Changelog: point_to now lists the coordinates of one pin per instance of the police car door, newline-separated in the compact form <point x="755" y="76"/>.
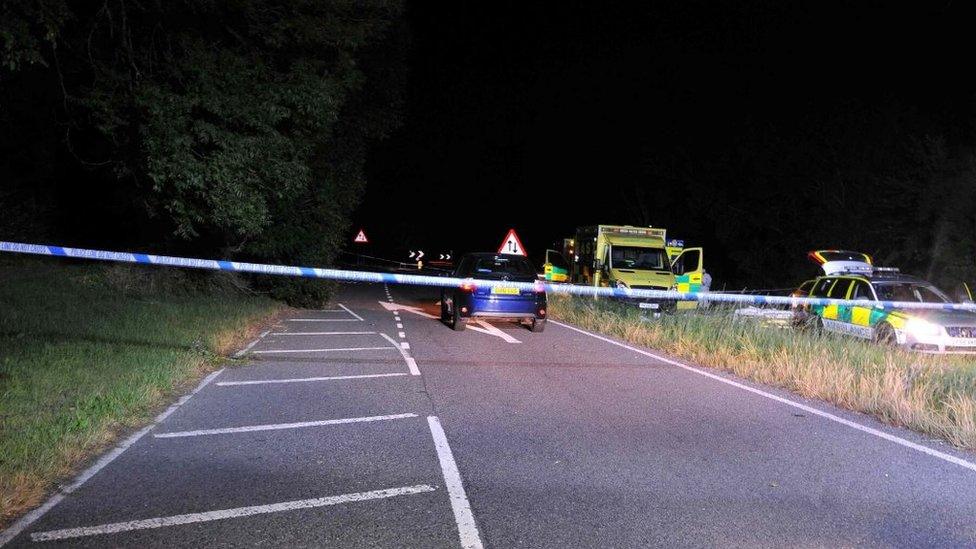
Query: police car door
<point x="864" y="317"/>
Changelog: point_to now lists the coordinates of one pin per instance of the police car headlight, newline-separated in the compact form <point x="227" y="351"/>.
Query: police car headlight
<point x="621" y="284"/>
<point x="918" y="327"/>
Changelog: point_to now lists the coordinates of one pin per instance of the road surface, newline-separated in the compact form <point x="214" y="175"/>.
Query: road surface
<point x="371" y="424"/>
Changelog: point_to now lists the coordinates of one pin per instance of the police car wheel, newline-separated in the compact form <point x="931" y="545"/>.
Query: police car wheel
<point x="885" y="335"/>
<point x="444" y="315"/>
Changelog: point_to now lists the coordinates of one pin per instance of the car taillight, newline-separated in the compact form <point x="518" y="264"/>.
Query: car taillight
<point x="542" y="312"/>
<point x="468" y="286"/>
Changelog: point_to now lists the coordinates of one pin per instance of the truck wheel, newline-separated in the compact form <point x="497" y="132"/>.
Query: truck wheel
<point x="538" y="325"/>
<point x="457" y="323"/>
<point x="885" y="335"/>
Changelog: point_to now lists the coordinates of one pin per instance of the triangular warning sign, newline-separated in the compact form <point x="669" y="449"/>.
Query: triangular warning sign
<point x="361" y="238"/>
<point x="511" y="244"/>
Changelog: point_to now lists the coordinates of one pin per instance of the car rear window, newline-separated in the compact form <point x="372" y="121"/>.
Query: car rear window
<point x="499" y="266"/>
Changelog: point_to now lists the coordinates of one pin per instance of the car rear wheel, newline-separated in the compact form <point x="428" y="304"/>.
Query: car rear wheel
<point x="457" y="323"/>
<point x="885" y="335"/>
<point x="538" y="325"/>
<point x="445" y="316"/>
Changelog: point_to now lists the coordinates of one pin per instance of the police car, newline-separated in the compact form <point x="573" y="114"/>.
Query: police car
<point x="852" y="276"/>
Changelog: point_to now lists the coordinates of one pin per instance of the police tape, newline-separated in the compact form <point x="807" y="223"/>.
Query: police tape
<point x="455" y="282"/>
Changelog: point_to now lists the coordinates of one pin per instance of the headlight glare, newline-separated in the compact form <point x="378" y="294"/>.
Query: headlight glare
<point x="919" y="327"/>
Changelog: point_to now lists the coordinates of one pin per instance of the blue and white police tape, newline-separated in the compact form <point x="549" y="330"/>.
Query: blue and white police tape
<point x="454" y="282"/>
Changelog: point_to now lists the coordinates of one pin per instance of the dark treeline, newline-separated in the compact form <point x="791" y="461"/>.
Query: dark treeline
<point x="876" y="177"/>
<point x="237" y="129"/>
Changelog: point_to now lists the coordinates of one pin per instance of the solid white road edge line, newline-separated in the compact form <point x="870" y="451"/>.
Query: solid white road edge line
<point x="826" y="415"/>
<point x="359" y="318"/>
<point x="31" y="517"/>
<point x="302" y="379"/>
<point x="237" y="512"/>
<point x="411" y="363"/>
<point x="277" y="426"/>
<point x="320" y="333"/>
<point x="463" y="516"/>
<point x="322" y="350"/>
<point x="244" y="351"/>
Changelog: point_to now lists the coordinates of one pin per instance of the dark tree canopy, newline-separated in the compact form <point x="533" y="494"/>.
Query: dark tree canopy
<point x="235" y="127"/>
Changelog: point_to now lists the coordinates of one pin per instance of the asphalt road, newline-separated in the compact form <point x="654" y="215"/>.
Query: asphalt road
<point x="371" y="424"/>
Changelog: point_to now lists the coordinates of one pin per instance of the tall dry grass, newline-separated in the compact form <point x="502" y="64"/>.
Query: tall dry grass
<point x="933" y="394"/>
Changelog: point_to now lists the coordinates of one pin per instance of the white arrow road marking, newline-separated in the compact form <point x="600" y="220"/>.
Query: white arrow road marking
<point x="414" y="310"/>
<point x="491" y="330"/>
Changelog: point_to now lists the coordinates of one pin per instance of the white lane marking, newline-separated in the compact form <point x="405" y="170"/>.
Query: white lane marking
<point x="405" y="345"/>
<point x="28" y="519"/>
<point x="348" y="310"/>
<point x="402" y="335"/>
<point x="322" y="350"/>
<point x="237" y="512"/>
<point x="320" y="333"/>
<point x="304" y="379"/>
<point x="330" y="310"/>
<point x="279" y="426"/>
<point x="411" y="363"/>
<point x="826" y="415"/>
<point x="497" y="333"/>
<point x="399" y="325"/>
<point x="322" y="320"/>
<point x="467" y="529"/>
<point x="244" y="351"/>
<point x="395" y="307"/>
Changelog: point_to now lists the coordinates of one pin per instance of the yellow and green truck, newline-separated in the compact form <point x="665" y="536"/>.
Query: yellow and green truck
<point x="625" y="256"/>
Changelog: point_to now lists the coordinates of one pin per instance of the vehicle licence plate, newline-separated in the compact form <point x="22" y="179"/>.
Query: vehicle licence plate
<point x="504" y="290"/>
<point x="649" y="305"/>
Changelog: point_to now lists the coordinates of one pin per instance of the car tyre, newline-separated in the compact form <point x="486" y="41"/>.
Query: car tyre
<point x="445" y="316"/>
<point x="538" y="325"/>
<point x="457" y="323"/>
<point x="885" y="335"/>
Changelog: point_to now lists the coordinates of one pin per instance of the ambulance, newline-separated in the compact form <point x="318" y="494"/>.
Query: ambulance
<point x="638" y="258"/>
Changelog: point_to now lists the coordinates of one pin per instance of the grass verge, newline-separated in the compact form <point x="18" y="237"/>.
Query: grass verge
<point x="88" y="352"/>
<point x="933" y="394"/>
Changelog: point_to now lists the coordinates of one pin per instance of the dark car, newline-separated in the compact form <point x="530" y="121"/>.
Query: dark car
<point x="494" y="300"/>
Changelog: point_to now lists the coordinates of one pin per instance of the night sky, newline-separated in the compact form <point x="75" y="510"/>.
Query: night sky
<point x="540" y="117"/>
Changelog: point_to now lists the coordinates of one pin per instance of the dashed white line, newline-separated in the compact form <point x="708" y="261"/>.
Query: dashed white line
<point x="402" y="335"/>
<point x="411" y="363"/>
<point x="826" y="415"/>
<point x="467" y="529"/>
<point x="405" y="345"/>
<point x="237" y="512"/>
<point x="279" y="426"/>
<point x="28" y="519"/>
<point x="399" y="325"/>
<point x="357" y="317"/>
<point x="270" y="351"/>
<point x="304" y="379"/>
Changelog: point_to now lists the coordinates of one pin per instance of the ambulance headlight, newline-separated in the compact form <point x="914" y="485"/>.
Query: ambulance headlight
<point x="922" y="328"/>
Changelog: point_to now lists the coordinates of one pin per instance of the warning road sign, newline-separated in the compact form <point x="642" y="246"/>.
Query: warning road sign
<point x="511" y="244"/>
<point x="361" y="238"/>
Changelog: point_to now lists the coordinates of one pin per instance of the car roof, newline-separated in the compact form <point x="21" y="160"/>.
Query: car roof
<point x="880" y="277"/>
<point x="493" y="254"/>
